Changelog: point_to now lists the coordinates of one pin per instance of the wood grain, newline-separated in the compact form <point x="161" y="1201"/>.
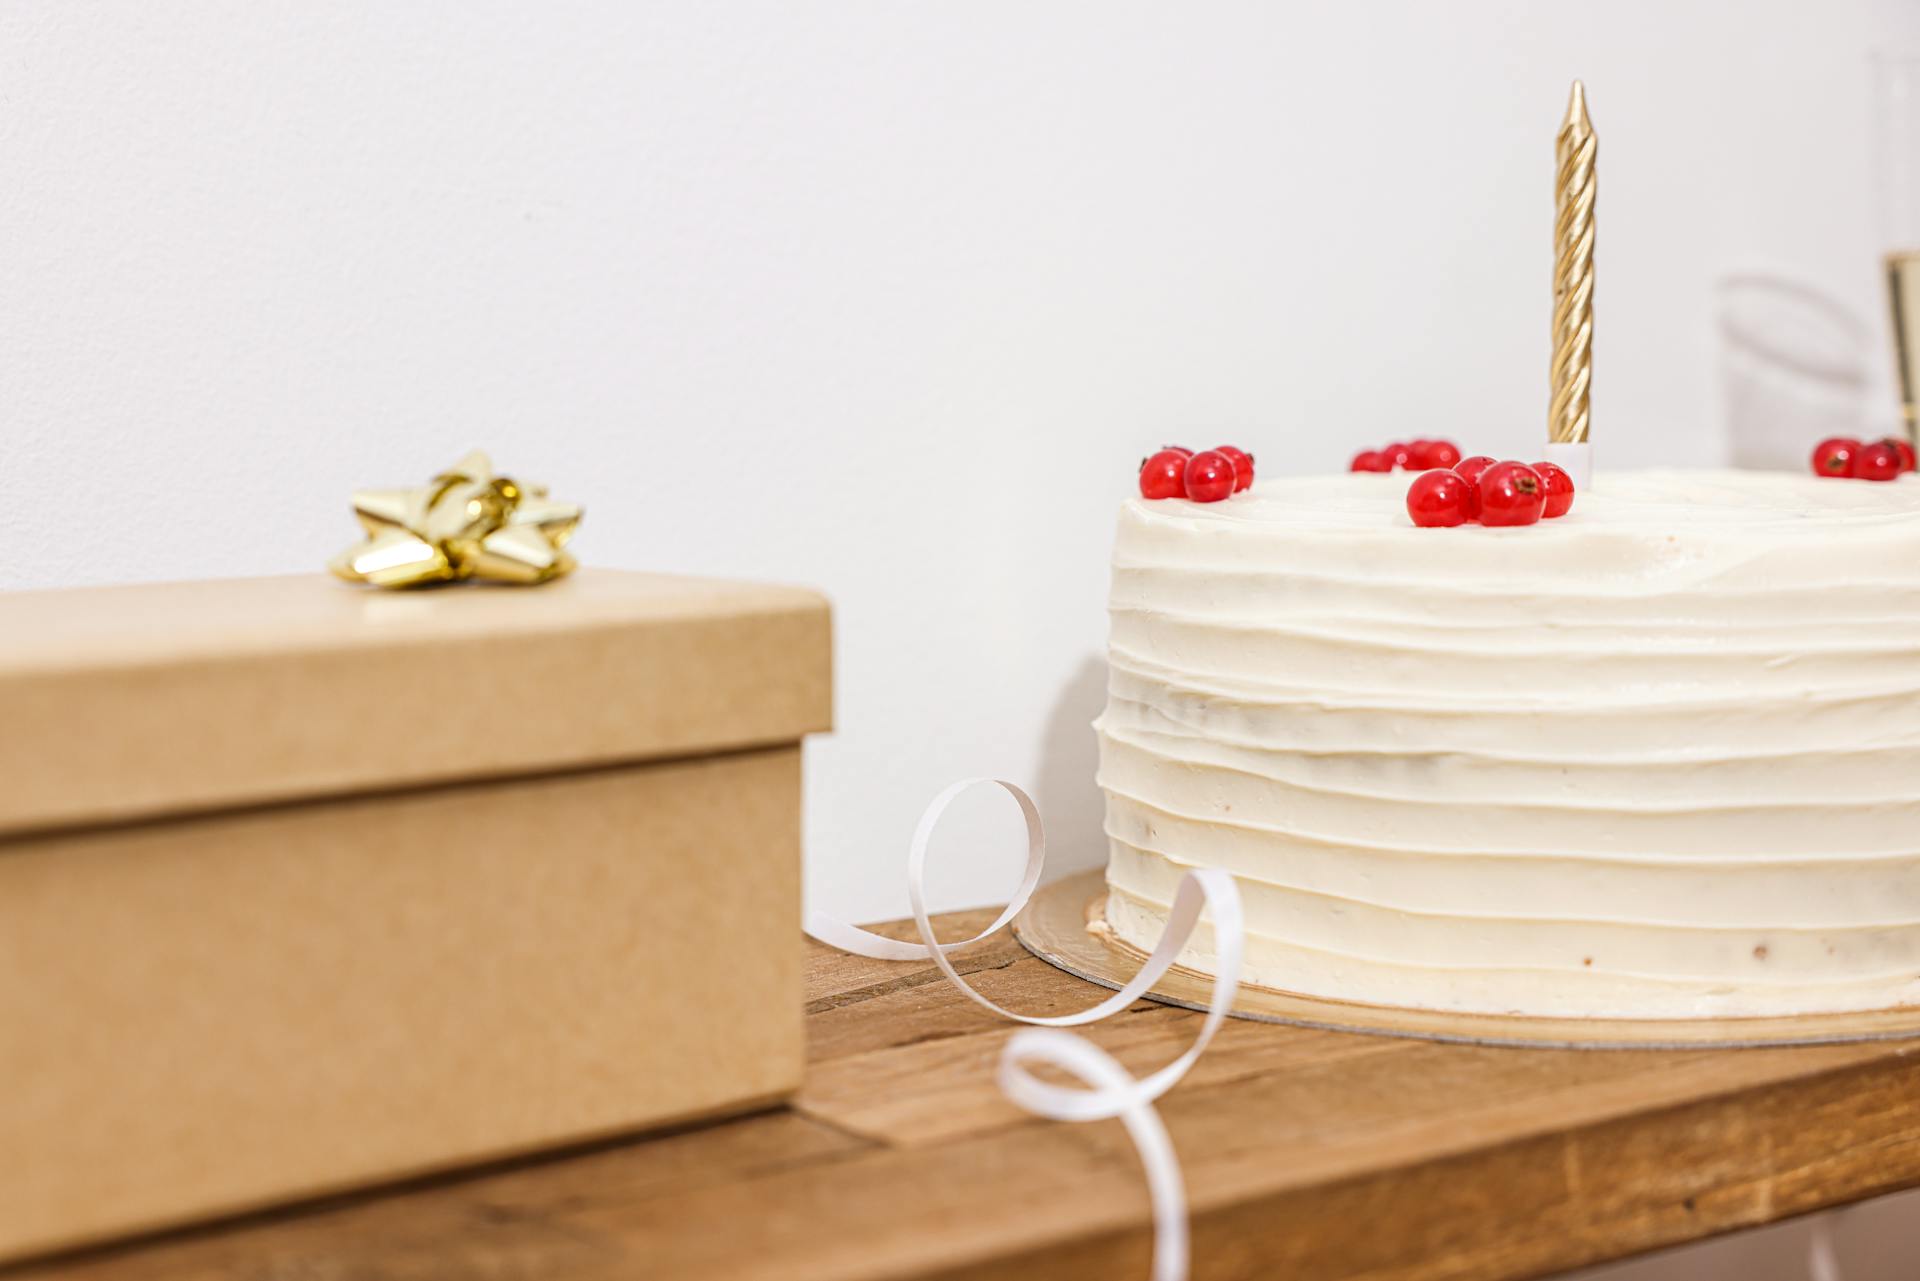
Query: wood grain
<point x="1310" y="1155"/>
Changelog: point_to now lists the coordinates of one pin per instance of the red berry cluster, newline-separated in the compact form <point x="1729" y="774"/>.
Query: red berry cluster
<point x="1205" y="477"/>
<point x="1844" y="458"/>
<point x="1419" y="455"/>
<point x="1491" y="492"/>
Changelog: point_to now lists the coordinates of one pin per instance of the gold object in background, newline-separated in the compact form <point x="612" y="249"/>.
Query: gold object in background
<point x="1903" y="301"/>
<point x="468" y="523"/>
<point x="1573" y="191"/>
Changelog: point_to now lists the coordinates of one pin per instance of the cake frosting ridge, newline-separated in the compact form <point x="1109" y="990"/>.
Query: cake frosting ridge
<point x="1659" y="758"/>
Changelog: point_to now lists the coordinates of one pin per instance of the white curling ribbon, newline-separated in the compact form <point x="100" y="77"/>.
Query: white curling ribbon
<point x="1108" y="1082"/>
<point x="1823" y="1264"/>
<point x="1111" y="1090"/>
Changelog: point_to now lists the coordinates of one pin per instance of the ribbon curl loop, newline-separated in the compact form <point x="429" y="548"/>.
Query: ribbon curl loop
<point x="1111" y="1091"/>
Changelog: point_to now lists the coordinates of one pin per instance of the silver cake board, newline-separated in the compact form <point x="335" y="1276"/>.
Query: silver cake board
<point x="1064" y="924"/>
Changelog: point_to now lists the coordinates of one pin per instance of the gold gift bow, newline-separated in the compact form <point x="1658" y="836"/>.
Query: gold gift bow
<point x="467" y="523"/>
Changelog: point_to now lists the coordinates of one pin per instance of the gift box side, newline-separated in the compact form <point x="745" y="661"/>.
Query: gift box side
<point x="212" y="1014"/>
<point x="133" y="703"/>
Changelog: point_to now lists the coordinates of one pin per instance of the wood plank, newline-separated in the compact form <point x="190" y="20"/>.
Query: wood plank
<point x="839" y="985"/>
<point x="1313" y="1155"/>
<point x="937" y="1082"/>
<point x="526" y="1220"/>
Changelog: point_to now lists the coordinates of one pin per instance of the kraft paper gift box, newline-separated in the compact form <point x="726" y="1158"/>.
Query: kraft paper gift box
<point x="306" y="886"/>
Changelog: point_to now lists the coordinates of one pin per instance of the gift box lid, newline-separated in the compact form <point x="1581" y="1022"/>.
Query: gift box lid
<point x="127" y="703"/>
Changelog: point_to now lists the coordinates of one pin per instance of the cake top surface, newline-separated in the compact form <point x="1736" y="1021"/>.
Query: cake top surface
<point x="1629" y="532"/>
<point x="1646" y="501"/>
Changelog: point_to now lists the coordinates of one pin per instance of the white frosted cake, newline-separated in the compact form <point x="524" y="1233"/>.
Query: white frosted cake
<point x="1659" y="758"/>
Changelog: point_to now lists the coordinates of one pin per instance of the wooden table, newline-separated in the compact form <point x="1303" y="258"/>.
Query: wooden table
<point x="1308" y="1154"/>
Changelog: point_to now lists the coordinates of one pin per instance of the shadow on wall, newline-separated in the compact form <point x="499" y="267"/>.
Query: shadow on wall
<point x="1070" y="804"/>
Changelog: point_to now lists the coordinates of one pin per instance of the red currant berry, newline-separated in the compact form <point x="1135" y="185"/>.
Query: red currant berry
<point x="1511" y="494"/>
<point x="1559" y="489"/>
<point x="1473" y="494"/>
<point x="1164" y="475"/>
<point x="1371" y="460"/>
<point x="1242" y="466"/>
<point x="1904" y="449"/>
<point x="1210" y="476"/>
<point x="1440" y="497"/>
<point x="1442" y="453"/>
<point x="1834" y="456"/>
<point x="1470" y="468"/>
<point x="1417" y="455"/>
<point x="1876" y="462"/>
<point x="1399" y="454"/>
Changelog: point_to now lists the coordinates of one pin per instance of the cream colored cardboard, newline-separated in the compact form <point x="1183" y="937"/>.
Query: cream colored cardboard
<point x="213" y="1011"/>
<point x="131" y="702"/>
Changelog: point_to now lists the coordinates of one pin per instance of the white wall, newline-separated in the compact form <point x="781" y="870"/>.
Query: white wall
<point x="918" y="283"/>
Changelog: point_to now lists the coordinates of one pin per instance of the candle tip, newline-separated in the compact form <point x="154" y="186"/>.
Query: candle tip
<point x="1577" y="109"/>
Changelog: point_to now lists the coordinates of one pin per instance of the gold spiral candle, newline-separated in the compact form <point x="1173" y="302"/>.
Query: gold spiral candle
<point x="1573" y="191"/>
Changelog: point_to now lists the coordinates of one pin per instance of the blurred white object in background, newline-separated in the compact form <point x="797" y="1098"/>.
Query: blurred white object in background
<point x="1795" y="367"/>
<point x="1822" y="1263"/>
<point x="1896" y="168"/>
